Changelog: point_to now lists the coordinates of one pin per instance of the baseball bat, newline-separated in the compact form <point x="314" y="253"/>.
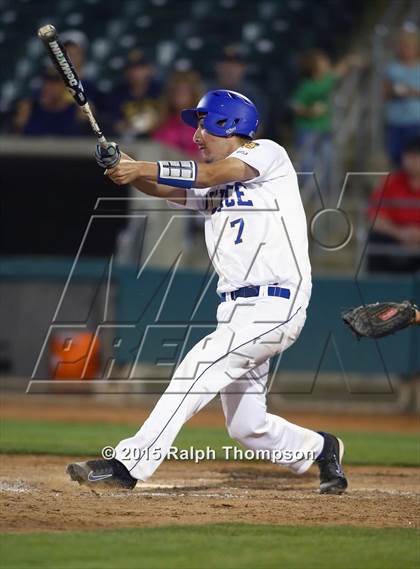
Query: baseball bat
<point x="59" y="56"/>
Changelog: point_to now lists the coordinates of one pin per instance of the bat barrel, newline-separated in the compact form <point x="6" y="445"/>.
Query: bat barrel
<point x="57" y="52"/>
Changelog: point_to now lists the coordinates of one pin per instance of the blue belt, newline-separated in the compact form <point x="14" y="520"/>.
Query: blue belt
<point x="248" y="291"/>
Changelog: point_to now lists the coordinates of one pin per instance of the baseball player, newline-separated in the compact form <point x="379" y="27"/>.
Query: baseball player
<point x="256" y="236"/>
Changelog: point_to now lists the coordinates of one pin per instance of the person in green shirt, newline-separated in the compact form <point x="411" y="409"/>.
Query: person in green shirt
<point x="313" y="111"/>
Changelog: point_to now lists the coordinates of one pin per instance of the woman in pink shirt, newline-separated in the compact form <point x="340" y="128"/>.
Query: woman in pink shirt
<point x="182" y="91"/>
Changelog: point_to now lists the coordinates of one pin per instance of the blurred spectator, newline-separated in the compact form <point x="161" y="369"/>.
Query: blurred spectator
<point x="50" y="111"/>
<point x="313" y="110"/>
<point x="182" y="91"/>
<point x="133" y="106"/>
<point x="76" y="45"/>
<point x="396" y="205"/>
<point x="230" y="73"/>
<point x="395" y="209"/>
<point x="402" y="93"/>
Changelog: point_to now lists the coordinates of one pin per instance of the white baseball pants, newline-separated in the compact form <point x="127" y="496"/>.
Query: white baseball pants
<point x="233" y="360"/>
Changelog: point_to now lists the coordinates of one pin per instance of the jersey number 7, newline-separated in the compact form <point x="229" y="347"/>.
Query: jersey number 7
<point x="240" y="223"/>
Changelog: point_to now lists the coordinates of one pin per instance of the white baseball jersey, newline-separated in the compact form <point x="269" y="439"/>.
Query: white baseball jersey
<point x="256" y="232"/>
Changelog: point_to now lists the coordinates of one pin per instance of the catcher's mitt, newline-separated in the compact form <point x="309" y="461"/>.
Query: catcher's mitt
<point x="380" y="319"/>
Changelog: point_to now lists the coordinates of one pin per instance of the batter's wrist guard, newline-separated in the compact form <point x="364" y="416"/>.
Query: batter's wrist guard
<point x="178" y="173"/>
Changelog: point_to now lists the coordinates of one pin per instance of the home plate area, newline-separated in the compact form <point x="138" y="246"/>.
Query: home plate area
<point x="36" y="495"/>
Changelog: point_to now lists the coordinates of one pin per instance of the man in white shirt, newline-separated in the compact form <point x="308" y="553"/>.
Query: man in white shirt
<point x="256" y="236"/>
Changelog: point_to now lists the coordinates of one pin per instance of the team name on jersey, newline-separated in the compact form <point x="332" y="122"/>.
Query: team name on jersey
<point x="229" y="196"/>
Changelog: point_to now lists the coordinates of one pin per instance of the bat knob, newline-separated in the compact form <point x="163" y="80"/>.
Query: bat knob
<point x="47" y="32"/>
<point x="107" y="156"/>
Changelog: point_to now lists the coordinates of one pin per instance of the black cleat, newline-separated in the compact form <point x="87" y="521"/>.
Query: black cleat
<point x="332" y="477"/>
<point x="101" y="472"/>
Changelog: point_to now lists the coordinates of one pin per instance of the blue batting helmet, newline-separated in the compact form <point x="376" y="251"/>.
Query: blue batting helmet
<point x="225" y="113"/>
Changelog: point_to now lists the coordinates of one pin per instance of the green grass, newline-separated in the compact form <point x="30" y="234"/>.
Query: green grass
<point x="80" y="439"/>
<point x="227" y="546"/>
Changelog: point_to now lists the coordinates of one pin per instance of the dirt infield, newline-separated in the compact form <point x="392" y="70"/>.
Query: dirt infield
<point x="35" y="495"/>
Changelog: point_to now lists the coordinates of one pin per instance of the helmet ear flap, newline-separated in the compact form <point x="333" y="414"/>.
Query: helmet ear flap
<point x="228" y="125"/>
<point x="215" y="123"/>
<point x="231" y="128"/>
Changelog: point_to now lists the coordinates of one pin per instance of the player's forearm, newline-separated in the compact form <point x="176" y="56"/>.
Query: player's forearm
<point x="154" y="178"/>
<point x="142" y="175"/>
<point x="177" y="195"/>
<point x="207" y="174"/>
<point x="147" y="183"/>
<point x="159" y="191"/>
<point x="149" y="188"/>
<point x="219" y="172"/>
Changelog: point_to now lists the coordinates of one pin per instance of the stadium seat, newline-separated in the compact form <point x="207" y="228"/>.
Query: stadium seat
<point x="177" y="33"/>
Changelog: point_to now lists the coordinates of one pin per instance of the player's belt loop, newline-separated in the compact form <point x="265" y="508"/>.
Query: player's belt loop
<point x="263" y="291"/>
